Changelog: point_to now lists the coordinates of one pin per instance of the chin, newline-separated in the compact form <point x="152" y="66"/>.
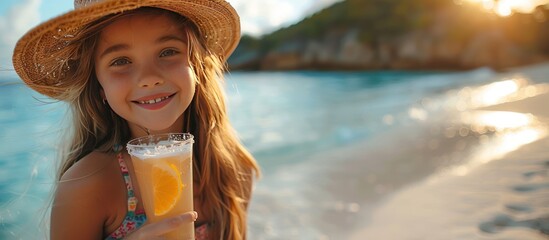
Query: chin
<point x="160" y="125"/>
<point x="164" y="128"/>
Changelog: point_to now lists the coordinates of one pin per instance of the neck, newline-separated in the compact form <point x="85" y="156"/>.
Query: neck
<point x="140" y="131"/>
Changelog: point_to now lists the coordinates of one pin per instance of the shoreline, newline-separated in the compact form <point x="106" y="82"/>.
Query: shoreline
<point x="433" y="67"/>
<point x="351" y="183"/>
<point x="504" y="197"/>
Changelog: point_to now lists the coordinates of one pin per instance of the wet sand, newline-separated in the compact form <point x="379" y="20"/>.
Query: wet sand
<point x="506" y="197"/>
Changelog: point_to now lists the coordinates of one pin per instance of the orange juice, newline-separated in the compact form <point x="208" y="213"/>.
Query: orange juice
<point x="163" y="168"/>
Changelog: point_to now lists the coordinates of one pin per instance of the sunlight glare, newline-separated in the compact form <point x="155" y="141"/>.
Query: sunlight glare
<point x="501" y="146"/>
<point x="505" y="8"/>
<point x="513" y="130"/>
<point x="497" y="92"/>
<point x="499" y="120"/>
<point x="417" y="114"/>
<point x="488" y="4"/>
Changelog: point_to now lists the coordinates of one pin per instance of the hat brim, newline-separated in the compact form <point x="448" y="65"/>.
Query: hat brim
<point x="216" y="20"/>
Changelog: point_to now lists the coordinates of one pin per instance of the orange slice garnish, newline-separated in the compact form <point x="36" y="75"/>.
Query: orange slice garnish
<point x="167" y="187"/>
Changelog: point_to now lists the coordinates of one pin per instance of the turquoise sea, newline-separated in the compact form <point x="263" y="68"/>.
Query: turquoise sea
<point x="330" y="144"/>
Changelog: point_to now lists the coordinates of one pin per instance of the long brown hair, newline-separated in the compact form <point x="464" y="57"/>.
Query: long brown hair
<point x="221" y="164"/>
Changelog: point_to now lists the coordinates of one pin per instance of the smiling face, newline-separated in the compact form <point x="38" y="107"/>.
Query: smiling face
<point x="142" y="64"/>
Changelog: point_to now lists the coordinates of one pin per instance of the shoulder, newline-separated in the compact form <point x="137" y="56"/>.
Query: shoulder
<point x="89" y="174"/>
<point x="91" y="177"/>
<point x="80" y="205"/>
<point x="88" y="166"/>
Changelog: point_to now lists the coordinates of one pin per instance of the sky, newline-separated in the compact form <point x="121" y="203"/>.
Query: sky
<point x="257" y="17"/>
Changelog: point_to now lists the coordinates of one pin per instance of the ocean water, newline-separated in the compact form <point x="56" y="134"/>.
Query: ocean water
<point x="330" y="145"/>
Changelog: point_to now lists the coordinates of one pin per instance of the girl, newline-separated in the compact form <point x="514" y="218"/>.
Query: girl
<point x="127" y="69"/>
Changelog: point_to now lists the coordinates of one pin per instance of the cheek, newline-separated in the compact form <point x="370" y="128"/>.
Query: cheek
<point x="113" y="90"/>
<point x="100" y="78"/>
<point x="191" y="77"/>
<point x="191" y="82"/>
<point x="112" y="84"/>
<point x="188" y="87"/>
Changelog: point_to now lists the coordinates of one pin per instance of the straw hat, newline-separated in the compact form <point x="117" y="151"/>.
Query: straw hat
<point x="217" y="21"/>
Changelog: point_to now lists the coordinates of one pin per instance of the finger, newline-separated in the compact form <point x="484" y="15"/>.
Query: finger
<point x="169" y="224"/>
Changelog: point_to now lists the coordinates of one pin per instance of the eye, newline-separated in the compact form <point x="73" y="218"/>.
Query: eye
<point x="120" y="62"/>
<point x="168" y="52"/>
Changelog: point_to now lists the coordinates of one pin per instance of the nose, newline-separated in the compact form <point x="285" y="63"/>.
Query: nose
<point x="149" y="82"/>
<point x="150" y="77"/>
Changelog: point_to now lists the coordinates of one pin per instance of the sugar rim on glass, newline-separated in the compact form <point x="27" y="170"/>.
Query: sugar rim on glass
<point x="160" y="145"/>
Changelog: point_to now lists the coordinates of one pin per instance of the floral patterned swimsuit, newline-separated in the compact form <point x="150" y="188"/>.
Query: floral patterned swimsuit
<point x="135" y="219"/>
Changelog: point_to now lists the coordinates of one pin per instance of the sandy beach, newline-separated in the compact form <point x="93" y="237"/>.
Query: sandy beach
<point x="498" y="196"/>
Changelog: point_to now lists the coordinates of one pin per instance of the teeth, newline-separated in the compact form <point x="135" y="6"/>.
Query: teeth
<point x="154" y="100"/>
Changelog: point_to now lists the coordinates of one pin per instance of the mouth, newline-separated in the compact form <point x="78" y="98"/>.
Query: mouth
<point x="154" y="102"/>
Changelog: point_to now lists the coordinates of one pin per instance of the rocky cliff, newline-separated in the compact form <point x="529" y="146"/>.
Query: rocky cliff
<point x="443" y="36"/>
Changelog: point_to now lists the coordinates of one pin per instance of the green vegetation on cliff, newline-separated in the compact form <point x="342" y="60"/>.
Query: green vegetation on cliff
<point x="371" y="17"/>
<point x="380" y="21"/>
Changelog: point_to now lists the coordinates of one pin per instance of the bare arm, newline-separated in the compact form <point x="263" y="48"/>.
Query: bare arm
<point x="78" y="210"/>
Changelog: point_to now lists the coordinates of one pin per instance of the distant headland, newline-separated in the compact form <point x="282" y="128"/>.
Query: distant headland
<point x="400" y="34"/>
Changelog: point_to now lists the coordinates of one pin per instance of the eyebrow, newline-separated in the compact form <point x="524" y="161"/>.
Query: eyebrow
<point x="114" y="48"/>
<point x="170" y="38"/>
<point x="120" y="47"/>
